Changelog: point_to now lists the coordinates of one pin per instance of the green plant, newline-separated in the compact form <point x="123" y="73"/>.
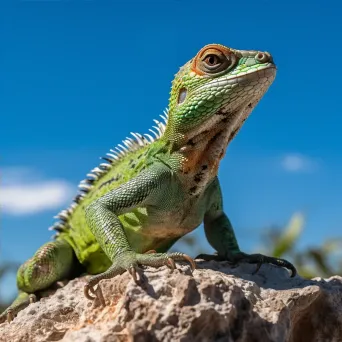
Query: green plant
<point x="324" y="260"/>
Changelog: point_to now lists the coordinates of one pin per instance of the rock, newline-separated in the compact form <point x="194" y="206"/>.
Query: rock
<point x="216" y="303"/>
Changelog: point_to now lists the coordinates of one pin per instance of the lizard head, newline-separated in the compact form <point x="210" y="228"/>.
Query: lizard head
<point x="215" y="92"/>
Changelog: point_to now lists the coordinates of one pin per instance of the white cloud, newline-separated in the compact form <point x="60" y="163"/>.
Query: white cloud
<point x="298" y="163"/>
<point x="23" y="192"/>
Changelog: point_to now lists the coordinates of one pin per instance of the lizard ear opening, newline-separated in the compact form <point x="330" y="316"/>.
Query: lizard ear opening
<point x="182" y="95"/>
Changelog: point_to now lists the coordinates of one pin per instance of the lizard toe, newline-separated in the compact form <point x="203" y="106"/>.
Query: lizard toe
<point x="261" y="259"/>
<point x="133" y="272"/>
<point x="87" y="290"/>
<point x="184" y="257"/>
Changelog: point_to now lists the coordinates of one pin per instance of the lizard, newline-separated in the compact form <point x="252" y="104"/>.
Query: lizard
<point x="152" y="190"/>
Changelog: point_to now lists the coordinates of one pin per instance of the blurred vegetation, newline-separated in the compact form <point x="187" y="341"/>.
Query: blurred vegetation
<point x="324" y="260"/>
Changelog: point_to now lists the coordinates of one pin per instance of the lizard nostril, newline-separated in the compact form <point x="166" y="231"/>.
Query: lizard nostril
<point x="262" y="57"/>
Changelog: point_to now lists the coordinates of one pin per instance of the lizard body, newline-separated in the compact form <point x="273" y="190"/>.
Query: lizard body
<point x="153" y="190"/>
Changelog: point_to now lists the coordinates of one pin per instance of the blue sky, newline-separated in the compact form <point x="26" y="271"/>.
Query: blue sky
<point x="78" y="76"/>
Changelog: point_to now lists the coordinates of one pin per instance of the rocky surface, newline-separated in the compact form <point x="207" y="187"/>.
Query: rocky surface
<point x="216" y="303"/>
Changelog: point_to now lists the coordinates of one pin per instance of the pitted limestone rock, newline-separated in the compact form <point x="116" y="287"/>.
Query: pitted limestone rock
<point x="216" y="303"/>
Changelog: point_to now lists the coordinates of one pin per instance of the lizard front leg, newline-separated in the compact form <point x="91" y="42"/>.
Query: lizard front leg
<point x="221" y="236"/>
<point x="102" y="219"/>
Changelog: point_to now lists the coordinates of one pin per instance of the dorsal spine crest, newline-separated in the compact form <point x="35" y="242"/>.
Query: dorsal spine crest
<point x="116" y="155"/>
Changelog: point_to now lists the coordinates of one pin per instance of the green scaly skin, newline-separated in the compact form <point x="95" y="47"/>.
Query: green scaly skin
<point x="136" y="206"/>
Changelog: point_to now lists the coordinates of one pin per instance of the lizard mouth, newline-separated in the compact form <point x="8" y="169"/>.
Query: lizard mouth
<point x="234" y="118"/>
<point x="266" y="72"/>
<point x="253" y="91"/>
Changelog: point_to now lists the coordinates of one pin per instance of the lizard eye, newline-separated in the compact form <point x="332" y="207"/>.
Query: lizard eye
<point x="216" y="61"/>
<point x="212" y="60"/>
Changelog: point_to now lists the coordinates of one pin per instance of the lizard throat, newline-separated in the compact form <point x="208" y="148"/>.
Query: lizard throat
<point x="203" y="152"/>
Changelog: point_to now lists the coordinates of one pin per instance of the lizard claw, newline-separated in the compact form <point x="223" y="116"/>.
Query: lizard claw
<point x="190" y="261"/>
<point x="96" y="292"/>
<point x="132" y="271"/>
<point x="181" y="257"/>
<point x="171" y="264"/>
<point x="32" y="298"/>
<point x="99" y="295"/>
<point x="257" y="268"/>
<point x="10" y="315"/>
<point x="87" y="289"/>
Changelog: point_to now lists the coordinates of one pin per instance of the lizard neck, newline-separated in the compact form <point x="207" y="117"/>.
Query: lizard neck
<point x="201" y="157"/>
<point x="203" y="149"/>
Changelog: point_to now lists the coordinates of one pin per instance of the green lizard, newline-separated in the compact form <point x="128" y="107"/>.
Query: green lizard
<point x="153" y="190"/>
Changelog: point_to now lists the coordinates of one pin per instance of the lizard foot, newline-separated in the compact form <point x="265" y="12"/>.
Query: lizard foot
<point x="129" y="261"/>
<point x="258" y="259"/>
<point x="21" y="303"/>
